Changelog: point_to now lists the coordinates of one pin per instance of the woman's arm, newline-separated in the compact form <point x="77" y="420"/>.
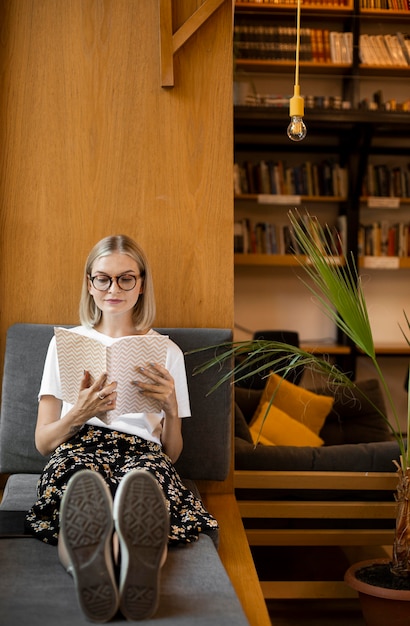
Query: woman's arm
<point x="171" y="437"/>
<point x="51" y="431"/>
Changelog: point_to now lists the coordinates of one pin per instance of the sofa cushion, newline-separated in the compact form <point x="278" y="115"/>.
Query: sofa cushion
<point x="20" y="492"/>
<point x="301" y="404"/>
<point x="247" y="400"/>
<point x="241" y="425"/>
<point x="366" y="457"/>
<point x="195" y="588"/>
<point x="274" y="426"/>
<point x="355" y="418"/>
<point x="352" y="419"/>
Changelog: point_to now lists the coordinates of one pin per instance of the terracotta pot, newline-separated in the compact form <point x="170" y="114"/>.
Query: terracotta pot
<point x="380" y="606"/>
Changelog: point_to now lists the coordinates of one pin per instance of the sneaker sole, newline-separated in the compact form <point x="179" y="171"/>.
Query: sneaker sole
<point x="142" y="523"/>
<point x="87" y="527"/>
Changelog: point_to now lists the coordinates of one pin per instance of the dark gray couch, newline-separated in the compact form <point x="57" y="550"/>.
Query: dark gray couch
<point x="304" y="506"/>
<point x="356" y="438"/>
<point x="34" y="588"/>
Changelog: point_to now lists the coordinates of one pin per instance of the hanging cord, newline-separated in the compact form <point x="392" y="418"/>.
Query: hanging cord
<point x="297" y="42"/>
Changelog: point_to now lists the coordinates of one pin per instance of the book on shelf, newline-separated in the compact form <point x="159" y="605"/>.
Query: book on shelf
<point x="341" y="47"/>
<point x="261" y="237"/>
<point x="387" y="181"/>
<point x="325" y="178"/>
<point x="278" y="43"/>
<point x="292" y="3"/>
<point x="385" y="5"/>
<point x="381" y="238"/>
<point x="396" y="51"/>
<point x="385" y="50"/>
<point x="404" y="41"/>
<point x="120" y="360"/>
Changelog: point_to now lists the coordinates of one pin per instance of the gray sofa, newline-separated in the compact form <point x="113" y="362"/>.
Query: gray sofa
<point x="34" y="588"/>
<point x="320" y="502"/>
<point x="356" y="438"/>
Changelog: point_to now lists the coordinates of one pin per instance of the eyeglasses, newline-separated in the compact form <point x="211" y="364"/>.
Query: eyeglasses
<point x="126" y="282"/>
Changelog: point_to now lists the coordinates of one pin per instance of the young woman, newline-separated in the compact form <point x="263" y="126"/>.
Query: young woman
<point x="130" y="459"/>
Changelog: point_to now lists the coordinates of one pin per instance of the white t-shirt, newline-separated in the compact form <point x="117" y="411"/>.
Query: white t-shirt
<point x="145" y="425"/>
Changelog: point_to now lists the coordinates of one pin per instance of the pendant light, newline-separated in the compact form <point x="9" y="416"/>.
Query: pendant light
<point x="297" y="128"/>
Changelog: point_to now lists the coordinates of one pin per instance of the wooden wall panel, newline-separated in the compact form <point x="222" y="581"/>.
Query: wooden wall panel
<point x="91" y="145"/>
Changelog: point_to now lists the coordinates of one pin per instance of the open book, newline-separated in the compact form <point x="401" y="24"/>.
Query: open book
<point x="120" y="360"/>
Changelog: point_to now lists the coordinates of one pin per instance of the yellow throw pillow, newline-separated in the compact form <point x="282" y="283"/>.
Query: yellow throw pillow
<point x="306" y="407"/>
<point x="259" y="437"/>
<point x="281" y="430"/>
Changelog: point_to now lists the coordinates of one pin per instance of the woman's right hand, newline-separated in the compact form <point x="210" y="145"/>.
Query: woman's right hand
<point x="95" y="399"/>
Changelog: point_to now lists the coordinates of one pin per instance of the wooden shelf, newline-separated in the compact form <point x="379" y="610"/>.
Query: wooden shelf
<point x="323" y="349"/>
<point x="289" y="260"/>
<point x="313" y="67"/>
<point x="278" y="260"/>
<point x="383" y="70"/>
<point x="364" y="200"/>
<point x="390" y="349"/>
<point x="384" y="263"/>
<point x="282" y="200"/>
<point x="387" y="349"/>
<point x="385" y="12"/>
<point x="266" y="117"/>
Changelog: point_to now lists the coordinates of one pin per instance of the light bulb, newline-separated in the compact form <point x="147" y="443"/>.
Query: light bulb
<point x="297" y="129"/>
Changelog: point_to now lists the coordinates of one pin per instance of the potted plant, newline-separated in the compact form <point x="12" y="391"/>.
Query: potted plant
<point x="337" y="287"/>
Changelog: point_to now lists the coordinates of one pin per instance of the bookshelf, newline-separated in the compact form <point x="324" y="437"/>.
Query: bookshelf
<point x="351" y="123"/>
<point x="283" y="260"/>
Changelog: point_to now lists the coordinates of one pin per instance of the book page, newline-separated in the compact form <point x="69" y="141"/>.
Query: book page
<point x="124" y="358"/>
<point x="77" y="353"/>
<point x="121" y="361"/>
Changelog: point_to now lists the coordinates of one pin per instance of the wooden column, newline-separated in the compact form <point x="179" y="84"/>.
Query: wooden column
<point x="92" y="145"/>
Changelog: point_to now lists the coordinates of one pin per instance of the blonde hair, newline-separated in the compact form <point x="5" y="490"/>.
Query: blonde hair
<point x="144" y="309"/>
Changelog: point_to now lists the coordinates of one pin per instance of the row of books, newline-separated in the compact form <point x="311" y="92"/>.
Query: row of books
<point x="385" y="181"/>
<point x="386" y="5"/>
<point x="333" y="103"/>
<point x="384" y="239"/>
<point x="326" y="178"/>
<point x="392" y="5"/>
<point x="388" y="105"/>
<point x="379" y="238"/>
<point x="385" y="50"/>
<point x="278" y="43"/>
<point x="266" y="238"/>
<point x="311" y="3"/>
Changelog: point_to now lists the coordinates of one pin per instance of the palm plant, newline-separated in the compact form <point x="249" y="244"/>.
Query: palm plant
<point x="338" y="289"/>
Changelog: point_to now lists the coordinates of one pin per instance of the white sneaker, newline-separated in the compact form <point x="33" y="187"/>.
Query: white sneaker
<point x="86" y="529"/>
<point x="142" y="523"/>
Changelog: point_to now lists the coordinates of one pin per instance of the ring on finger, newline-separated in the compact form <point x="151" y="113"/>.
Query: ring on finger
<point x="101" y="396"/>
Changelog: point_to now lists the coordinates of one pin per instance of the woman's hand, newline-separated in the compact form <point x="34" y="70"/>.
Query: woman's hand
<point x="160" y="386"/>
<point x="94" y="400"/>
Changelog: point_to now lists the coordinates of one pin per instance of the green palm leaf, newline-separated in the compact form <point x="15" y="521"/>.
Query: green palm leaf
<point x="337" y="287"/>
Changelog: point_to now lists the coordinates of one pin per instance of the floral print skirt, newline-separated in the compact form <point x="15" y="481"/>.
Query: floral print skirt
<point x="113" y="454"/>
